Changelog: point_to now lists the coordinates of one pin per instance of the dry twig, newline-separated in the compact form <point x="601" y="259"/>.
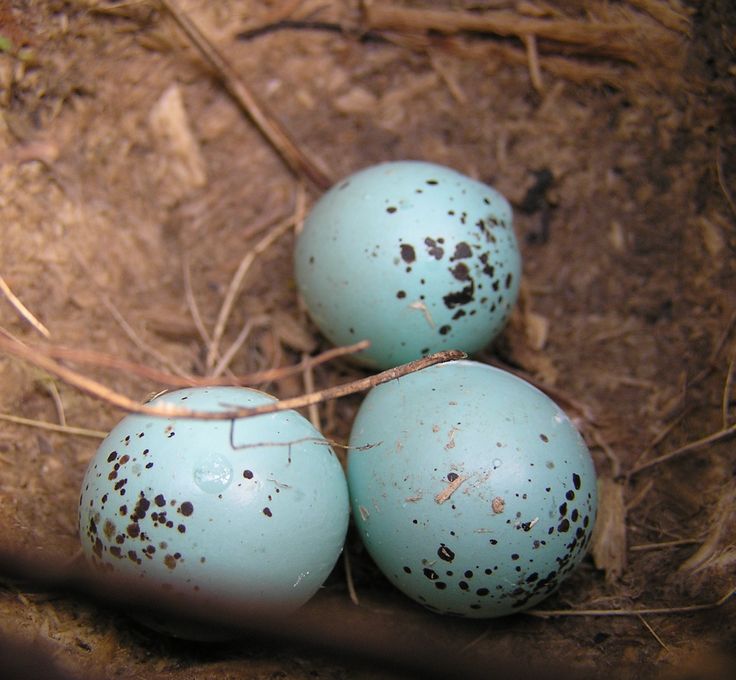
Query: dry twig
<point x="94" y="358"/>
<point x="245" y="264"/>
<point x="692" y="446"/>
<point x="644" y="611"/>
<point x="264" y="120"/>
<point x="19" y="307"/>
<point x="596" y="37"/>
<point x="53" y="427"/>
<point x="104" y="393"/>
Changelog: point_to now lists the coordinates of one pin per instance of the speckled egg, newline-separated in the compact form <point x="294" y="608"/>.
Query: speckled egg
<point x="252" y="511"/>
<point x="471" y="489"/>
<point x="413" y="256"/>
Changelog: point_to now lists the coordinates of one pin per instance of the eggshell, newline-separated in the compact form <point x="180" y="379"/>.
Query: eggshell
<point x="414" y="256"/>
<point x="471" y="489"/>
<point x="252" y="511"/>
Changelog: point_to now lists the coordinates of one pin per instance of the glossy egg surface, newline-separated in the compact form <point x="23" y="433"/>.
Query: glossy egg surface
<point x="413" y="256"/>
<point x="471" y="489"/>
<point x="254" y="511"/>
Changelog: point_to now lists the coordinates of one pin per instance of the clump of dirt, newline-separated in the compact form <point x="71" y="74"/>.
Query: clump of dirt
<point x="133" y="187"/>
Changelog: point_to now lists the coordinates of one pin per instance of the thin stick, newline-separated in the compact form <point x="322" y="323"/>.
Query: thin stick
<point x="19" y="307"/>
<point x="726" y="399"/>
<point x="646" y="625"/>
<point x="237" y="281"/>
<point x="664" y="544"/>
<point x="248" y="327"/>
<point x="535" y="73"/>
<point x="352" y="593"/>
<point x="94" y="358"/>
<point x="692" y="446"/>
<point x="661" y="435"/>
<point x="53" y="391"/>
<point x="596" y="37"/>
<point x="722" y="181"/>
<point x="267" y="125"/>
<point x="313" y="411"/>
<point x="99" y="391"/>
<point x="720" y="344"/>
<point x="645" y="611"/>
<point x="137" y="340"/>
<point x="53" y="427"/>
<point x="192" y="301"/>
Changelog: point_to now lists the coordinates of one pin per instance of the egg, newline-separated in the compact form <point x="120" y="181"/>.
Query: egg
<point x="471" y="489"/>
<point x="253" y="511"/>
<point x="413" y="256"/>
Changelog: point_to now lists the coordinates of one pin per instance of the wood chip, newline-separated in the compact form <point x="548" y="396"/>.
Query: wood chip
<point x="450" y="489"/>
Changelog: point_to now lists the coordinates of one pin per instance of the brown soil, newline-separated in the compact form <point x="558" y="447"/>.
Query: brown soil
<point x="108" y="196"/>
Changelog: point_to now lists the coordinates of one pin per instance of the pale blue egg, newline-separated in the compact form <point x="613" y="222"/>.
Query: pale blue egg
<point x="413" y="256"/>
<point x="251" y="512"/>
<point x="471" y="489"/>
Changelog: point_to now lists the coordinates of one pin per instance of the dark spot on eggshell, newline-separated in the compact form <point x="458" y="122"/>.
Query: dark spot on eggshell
<point x="445" y="553"/>
<point x="160" y="500"/>
<point x="407" y="253"/>
<point x="267" y="512"/>
<point x="564" y="525"/>
<point x="170" y="561"/>
<point x="432" y="182"/>
<point x="248" y="474"/>
<point x="112" y="456"/>
<point x="436" y="251"/>
<point x="133" y="530"/>
<point x="407" y="570"/>
<point x="391" y="209"/>
<point x="401" y="294"/>
<point x="141" y="507"/>
<point x="431" y="574"/>
<point x="108" y="528"/>
<point x="186" y="508"/>
<point x="544" y="438"/>
<point x="462" y="297"/>
<point x="576" y="480"/>
<point x="570" y="495"/>
<point x="460" y="271"/>
<point x="440" y="585"/>
<point x="462" y="252"/>
<point x="444" y="330"/>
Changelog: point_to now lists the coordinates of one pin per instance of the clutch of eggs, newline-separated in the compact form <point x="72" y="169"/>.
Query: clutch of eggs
<point x="471" y="489"/>
<point x="413" y="256"/>
<point x="251" y="512"/>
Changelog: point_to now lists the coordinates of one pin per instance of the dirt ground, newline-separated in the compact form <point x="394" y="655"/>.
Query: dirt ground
<point x="132" y="186"/>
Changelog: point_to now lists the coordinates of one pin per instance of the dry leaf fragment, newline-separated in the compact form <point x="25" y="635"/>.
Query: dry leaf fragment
<point x="609" y="536"/>
<point x="182" y="166"/>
